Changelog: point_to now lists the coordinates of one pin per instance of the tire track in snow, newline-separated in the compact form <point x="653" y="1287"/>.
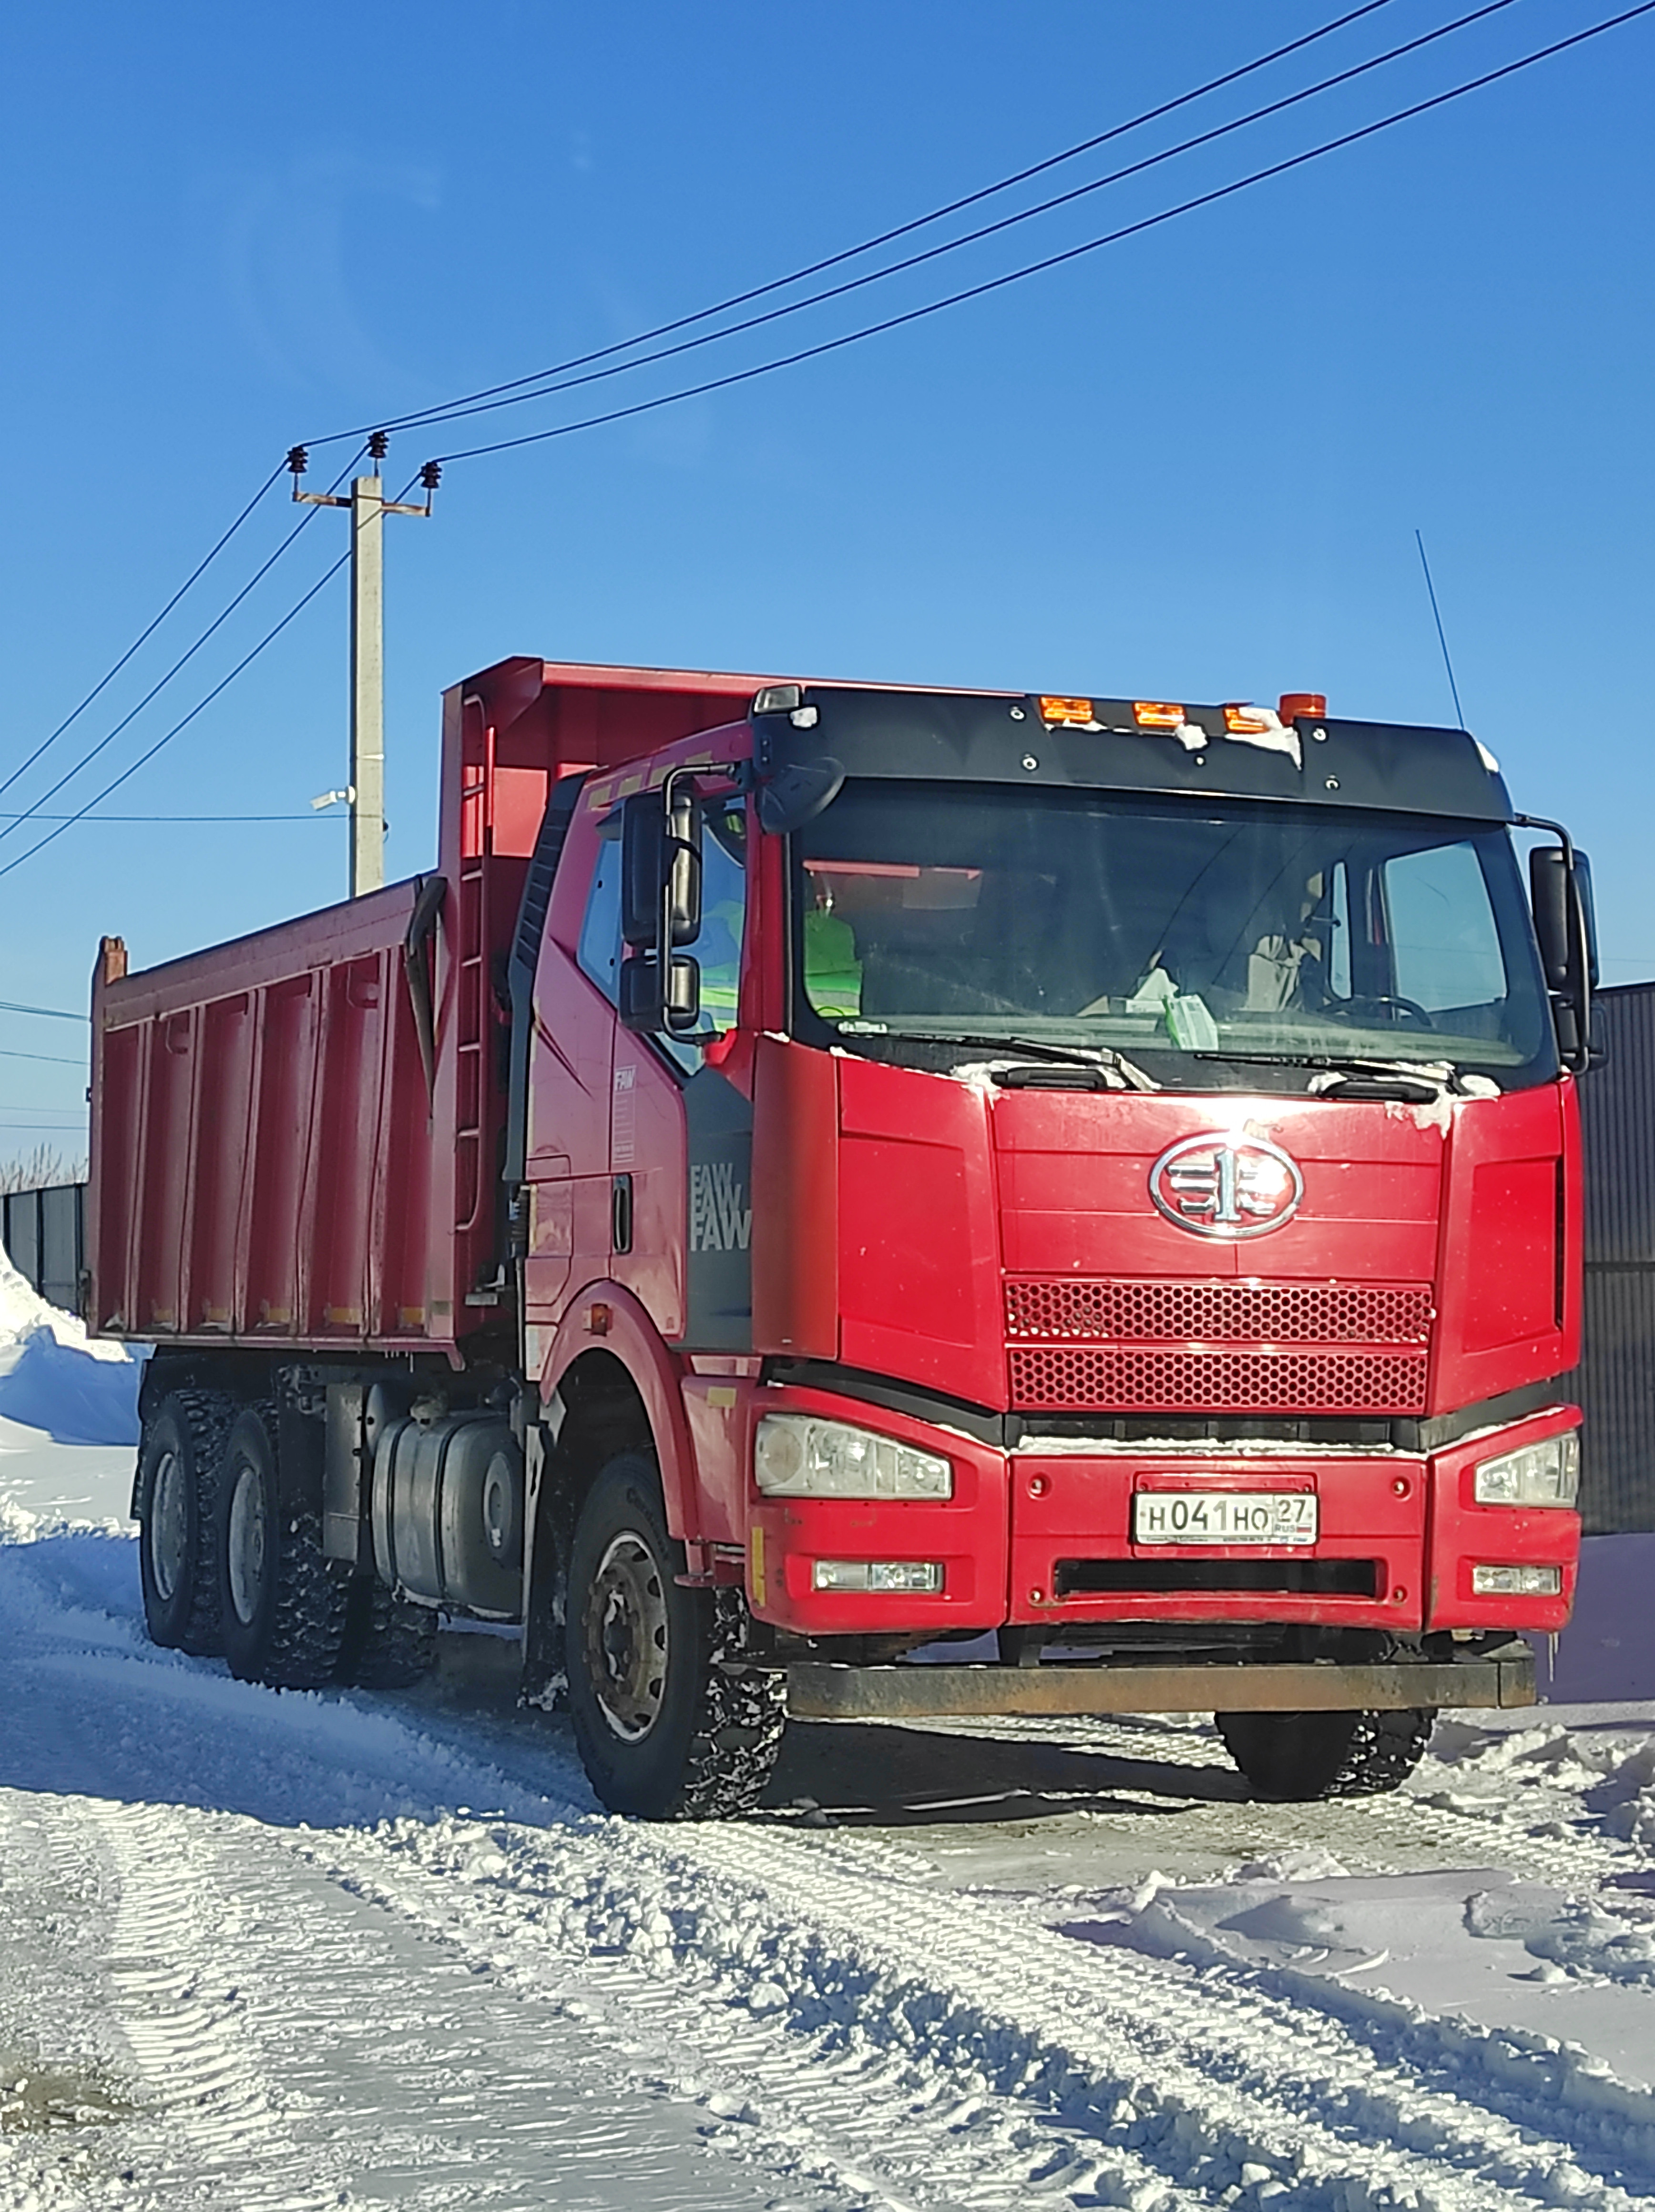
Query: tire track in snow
<point x="967" y="2059"/>
<point x="863" y="2115"/>
<point x="1441" y="1810"/>
<point x="184" y="2029"/>
<point x="405" y="2074"/>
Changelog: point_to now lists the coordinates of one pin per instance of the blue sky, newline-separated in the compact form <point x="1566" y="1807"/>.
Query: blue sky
<point x="1191" y="465"/>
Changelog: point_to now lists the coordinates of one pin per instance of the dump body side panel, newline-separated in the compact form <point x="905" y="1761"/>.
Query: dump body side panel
<point x="272" y="1161"/>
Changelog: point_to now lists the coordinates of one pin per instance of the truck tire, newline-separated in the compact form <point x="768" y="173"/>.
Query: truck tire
<point x="281" y="1604"/>
<point x="389" y="1643"/>
<point x="178" y="1490"/>
<point x="670" y="1724"/>
<point x="1293" y="1757"/>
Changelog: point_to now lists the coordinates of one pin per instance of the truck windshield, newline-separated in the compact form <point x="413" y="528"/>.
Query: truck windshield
<point x="1168" y="926"/>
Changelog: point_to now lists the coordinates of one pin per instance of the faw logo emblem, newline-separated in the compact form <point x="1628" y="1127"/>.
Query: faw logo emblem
<point x="720" y="1219"/>
<point x="1229" y="1187"/>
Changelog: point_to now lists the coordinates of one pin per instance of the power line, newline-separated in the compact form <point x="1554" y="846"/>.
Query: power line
<point x="467" y="402"/>
<point x="47" y="1013"/>
<point x="184" y="722"/>
<point x="831" y="345"/>
<point x="224" y="684"/>
<point x="1071" y="253"/>
<point x="458" y="411"/>
<point x="143" y="636"/>
<point x="311" y="814"/>
<point x="189" y="655"/>
<point x="52" y="1059"/>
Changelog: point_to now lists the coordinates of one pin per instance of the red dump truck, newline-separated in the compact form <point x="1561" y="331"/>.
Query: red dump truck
<point x="1082" y="1192"/>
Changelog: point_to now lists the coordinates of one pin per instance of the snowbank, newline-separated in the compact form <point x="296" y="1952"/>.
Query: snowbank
<point x="54" y="1377"/>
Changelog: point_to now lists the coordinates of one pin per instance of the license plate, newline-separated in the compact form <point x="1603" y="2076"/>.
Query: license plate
<point x="1223" y="1516"/>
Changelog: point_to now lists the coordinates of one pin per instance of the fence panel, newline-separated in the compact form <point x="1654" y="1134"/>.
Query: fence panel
<point x="44" y="1233"/>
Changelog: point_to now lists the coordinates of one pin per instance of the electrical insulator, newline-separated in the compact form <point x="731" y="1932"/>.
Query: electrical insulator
<point x="431" y="474"/>
<point x="378" y="445"/>
<point x="298" y="459"/>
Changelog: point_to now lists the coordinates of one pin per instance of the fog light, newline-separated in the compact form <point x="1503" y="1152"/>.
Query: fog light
<point x="1517" y="1582"/>
<point x="1538" y="1475"/>
<point x="798" y="1456"/>
<point x="889" y="1576"/>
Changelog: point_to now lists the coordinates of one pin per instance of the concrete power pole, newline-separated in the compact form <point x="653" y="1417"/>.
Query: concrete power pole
<point x="366" y="792"/>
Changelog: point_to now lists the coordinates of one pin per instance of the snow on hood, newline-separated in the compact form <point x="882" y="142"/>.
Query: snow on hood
<point x="53" y="1377"/>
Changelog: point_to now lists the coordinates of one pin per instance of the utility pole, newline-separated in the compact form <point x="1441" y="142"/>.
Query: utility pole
<point x="366" y="792"/>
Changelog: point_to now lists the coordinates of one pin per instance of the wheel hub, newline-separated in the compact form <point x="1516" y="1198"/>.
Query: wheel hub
<point x="626" y="1633"/>
<point x="169" y="1527"/>
<point x="247" y="1544"/>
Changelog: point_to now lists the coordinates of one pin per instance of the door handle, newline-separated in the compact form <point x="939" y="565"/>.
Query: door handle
<point x="620" y="1213"/>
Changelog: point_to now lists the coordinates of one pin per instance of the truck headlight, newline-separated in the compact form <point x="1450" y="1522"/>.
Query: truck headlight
<point x="796" y="1456"/>
<point x="1539" y="1475"/>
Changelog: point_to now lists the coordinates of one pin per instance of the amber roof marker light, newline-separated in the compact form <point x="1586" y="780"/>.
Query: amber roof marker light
<point x="1303" y="706"/>
<point x="1059" y="713"/>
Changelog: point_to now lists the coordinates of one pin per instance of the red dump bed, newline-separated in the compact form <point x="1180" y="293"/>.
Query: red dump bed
<point x="277" y="1153"/>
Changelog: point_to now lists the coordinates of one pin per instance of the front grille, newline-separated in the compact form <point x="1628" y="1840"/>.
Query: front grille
<point x="1119" y="1345"/>
<point x="1178" y="1577"/>
<point x="1073" y="1378"/>
<point x="1219" y="1313"/>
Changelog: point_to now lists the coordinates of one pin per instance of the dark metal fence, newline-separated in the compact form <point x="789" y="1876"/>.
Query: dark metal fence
<point x="1616" y="1381"/>
<point x="44" y="1233"/>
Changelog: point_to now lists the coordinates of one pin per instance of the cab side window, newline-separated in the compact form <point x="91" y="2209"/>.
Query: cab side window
<point x="599" y="950"/>
<point x="718" y="948"/>
<point x="723" y="912"/>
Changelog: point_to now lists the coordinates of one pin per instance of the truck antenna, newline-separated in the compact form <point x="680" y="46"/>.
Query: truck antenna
<point x="1442" y="637"/>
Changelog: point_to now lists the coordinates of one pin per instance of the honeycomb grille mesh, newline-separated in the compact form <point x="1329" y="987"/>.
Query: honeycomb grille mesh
<point x="1218" y="1312"/>
<point x="1086" y="1344"/>
<point x="1086" y="1378"/>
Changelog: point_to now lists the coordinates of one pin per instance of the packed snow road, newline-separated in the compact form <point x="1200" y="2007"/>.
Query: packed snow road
<point x="267" y="1950"/>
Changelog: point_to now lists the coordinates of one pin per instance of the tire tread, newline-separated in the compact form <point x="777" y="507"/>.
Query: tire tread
<point x="389" y="1642"/>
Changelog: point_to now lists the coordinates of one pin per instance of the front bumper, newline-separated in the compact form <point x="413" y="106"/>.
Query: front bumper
<point x="815" y="1692"/>
<point x="1044" y="1537"/>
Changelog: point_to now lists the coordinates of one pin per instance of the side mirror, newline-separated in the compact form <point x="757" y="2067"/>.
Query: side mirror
<point x="1549" y="896"/>
<point x="660" y="868"/>
<point x="646" y="1007"/>
<point x="1565" y="923"/>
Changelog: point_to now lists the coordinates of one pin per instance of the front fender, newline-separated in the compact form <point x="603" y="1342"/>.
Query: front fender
<point x="605" y="1317"/>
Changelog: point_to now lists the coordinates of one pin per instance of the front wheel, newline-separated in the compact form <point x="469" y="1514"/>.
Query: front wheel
<point x="282" y="1606"/>
<point x="1295" y="1757"/>
<point x="671" y="1723"/>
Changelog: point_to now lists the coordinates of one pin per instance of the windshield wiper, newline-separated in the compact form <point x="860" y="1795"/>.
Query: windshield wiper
<point x="1415" y="1081"/>
<point x="1069" y="1055"/>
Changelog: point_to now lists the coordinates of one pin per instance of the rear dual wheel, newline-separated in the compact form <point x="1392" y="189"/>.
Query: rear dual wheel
<point x="178" y="1492"/>
<point x="282" y="1603"/>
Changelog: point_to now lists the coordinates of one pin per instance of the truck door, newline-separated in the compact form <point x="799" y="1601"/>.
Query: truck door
<point x="570" y="1059"/>
<point x="680" y="1132"/>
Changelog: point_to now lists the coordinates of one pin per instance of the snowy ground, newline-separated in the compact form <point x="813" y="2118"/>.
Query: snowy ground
<point x="291" y="1951"/>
